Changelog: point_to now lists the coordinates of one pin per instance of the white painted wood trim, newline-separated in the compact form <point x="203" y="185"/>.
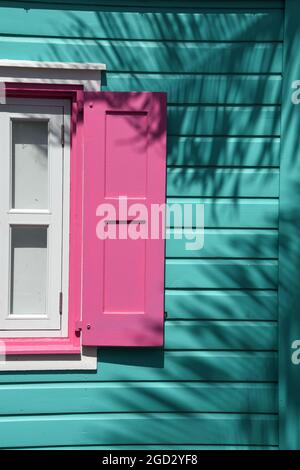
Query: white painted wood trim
<point x="52" y="65"/>
<point x="51" y="320"/>
<point x="87" y="360"/>
<point x="43" y="217"/>
<point x="67" y="73"/>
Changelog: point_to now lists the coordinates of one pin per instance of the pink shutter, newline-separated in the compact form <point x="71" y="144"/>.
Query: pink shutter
<point x="123" y="279"/>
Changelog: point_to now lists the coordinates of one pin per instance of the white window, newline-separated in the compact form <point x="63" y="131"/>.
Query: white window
<point x="36" y="328"/>
<point x="34" y="217"/>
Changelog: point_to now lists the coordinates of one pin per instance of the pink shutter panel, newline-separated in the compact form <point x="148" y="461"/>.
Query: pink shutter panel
<point x="123" y="278"/>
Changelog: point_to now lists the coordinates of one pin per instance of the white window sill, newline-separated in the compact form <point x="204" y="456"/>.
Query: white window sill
<point x="86" y="361"/>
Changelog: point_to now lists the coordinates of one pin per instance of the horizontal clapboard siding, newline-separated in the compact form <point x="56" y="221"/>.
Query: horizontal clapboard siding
<point x="221" y="305"/>
<point x="136" y="397"/>
<point x="191" y="182"/>
<point x="222" y="243"/>
<point x="157" y="447"/>
<point x="211" y="120"/>
<point x="142" y="56"/>
<point x="119" y="365"/>
<point x="223" y="151"/>
<point x="134" y="25"/>
<point x="204" y="89"/>
<point x="157" y="5"/>
<point x="215" y="383"/>
<point x="159" y="428"/>
<point x="229" y="274"/>
<point x="228" y="212"/>
<point x="220" y="335"/>
<point x="191" y="365"/>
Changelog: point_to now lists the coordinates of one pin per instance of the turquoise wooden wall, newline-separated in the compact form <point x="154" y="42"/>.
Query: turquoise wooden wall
<point x="215" y="383"/>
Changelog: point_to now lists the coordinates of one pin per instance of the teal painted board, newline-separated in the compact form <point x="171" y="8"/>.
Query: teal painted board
<point x="228" y="274"/>
<point x="160" y="428"/>
<point x="229" y="212"/>
<point x="220" y="120"/>
<point x="236" y="26"/>
<point x="155" y="447"/>
<point x="202" y="89"/>
<point x="117" y="365"/>
<point x="221" y="335"/>
<point x="191" y="182"/>
<point x="289" y="245"/>
<point x="133" y="429"/>
<point x="232" y="366"/>
<point x="137" y="397"/>
<point x="156" y="5"/>
<point x="221" y="305"/>
<point x="222" y="243"/>
<point x="150" y="56"/>
<point x="223" y="151"/>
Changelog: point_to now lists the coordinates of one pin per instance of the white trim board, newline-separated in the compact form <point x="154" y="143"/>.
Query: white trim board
<point x="76" y="73"/>
<point x="87" y="360"/>
<point x="21" y="216"/>
<point x="52" y="65"/>
<point x="49" y="317"/>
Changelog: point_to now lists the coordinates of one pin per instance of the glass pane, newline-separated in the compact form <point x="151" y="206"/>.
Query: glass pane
<point x="28" y="270"/>
<point x="29" y="164"/>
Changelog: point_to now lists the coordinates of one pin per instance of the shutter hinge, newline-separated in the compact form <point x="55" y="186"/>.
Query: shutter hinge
<point x="62" y="135"/>
<point x="60" y="303"/>
<point x="78" y="327"/>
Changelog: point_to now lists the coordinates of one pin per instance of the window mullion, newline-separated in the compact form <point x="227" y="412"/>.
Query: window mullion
<point x="29" y="219"/>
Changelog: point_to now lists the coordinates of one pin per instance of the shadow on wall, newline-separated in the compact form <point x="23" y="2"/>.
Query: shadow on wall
<point x="222" y="72"/>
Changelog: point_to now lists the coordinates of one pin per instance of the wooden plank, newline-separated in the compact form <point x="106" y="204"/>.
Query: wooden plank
<point x="157" y="447"/>
<point x="224" y="121"/>
<point x="223" y="151"/>
<point x="141" y="56"/>
<point x="222" y="243"/>
<point x="221" y="335"/>
<point x="190" y="182"/>
<point x="189" y="365"/>
<point x="227" y="26"/>
<point x="159" y="5"/>
<point x="162" y="428"/>
<point x="117" y="365"/>
<point x="137" y="397"/>
<point x="217" y="274"/>
<point x="229" y="213"/>
<point x="201" y="89"/>
<point x="222" y="305"/>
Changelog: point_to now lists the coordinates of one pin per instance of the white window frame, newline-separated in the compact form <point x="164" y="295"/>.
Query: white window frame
<point x="88" y="75"/>
<point x="57" y="113"/>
